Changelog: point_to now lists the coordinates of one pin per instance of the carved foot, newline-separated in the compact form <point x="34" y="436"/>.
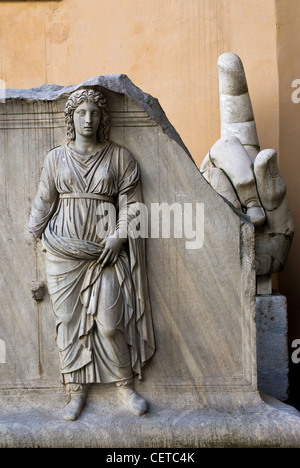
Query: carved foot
<point x="133" y="401"/>
<point x="73" y="409"/>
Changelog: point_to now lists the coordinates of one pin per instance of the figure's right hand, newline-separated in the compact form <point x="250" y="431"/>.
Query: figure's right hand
<point x="111" y="250"/>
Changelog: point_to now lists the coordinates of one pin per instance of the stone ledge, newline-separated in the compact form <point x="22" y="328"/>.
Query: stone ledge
<point x="34" y="421"/>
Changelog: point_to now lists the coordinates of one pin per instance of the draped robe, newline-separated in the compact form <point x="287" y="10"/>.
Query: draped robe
<point x="104" y="329"/>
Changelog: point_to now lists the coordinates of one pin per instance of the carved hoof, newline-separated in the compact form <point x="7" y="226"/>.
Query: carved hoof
<point x="73" y="409"/>
<point x="133" y="401"/>
<point x="257" y="215"/>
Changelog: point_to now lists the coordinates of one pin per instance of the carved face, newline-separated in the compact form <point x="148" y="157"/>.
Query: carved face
<point x="87" y="118"/>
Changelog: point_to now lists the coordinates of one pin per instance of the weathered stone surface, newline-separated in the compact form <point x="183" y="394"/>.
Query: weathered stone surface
<point x="203" y="313"/>
<point x="253" y="174"/>
<point x="263" y="284"/>
<point x="272" y="345"/>
<point x="235" y="105"/>
<point x="202" y="382"/>
<point x="35" y="421"/>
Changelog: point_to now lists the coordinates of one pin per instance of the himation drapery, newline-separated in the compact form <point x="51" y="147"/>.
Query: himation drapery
<point x="95" y="307"/>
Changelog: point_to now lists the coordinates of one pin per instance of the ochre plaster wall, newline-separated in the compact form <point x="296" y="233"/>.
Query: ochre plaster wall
<point x="169" y="48"/>
<point x="288" y="47"/>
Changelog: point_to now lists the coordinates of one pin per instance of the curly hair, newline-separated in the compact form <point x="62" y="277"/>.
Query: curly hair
<point x="87" y="95"/>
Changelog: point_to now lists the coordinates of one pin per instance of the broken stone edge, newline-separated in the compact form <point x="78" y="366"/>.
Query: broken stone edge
<point x="118" y="83"/>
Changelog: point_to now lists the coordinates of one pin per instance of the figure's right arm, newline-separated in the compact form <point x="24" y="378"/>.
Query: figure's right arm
<point x="46" y="198"/>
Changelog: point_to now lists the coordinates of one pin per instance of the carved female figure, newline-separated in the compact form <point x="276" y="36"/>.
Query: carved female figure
<point x="97" y="283"/>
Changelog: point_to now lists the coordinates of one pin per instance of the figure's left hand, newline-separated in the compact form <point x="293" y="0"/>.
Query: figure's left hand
<point x="111" y="250"/>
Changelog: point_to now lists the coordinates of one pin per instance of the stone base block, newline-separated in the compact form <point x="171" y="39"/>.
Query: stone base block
<point x="33" y="420"/>
<point x="272" y="345"/>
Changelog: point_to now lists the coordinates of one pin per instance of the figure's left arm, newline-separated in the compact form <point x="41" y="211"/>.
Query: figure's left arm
<point x="129" y="196"/>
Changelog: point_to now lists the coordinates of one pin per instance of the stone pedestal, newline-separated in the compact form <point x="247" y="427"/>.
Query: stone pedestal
<point x="33" y="420"/>
<point x="272" y="345"/>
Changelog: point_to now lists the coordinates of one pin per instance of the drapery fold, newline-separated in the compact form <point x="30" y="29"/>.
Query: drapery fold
<point x="89" y="300"/>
